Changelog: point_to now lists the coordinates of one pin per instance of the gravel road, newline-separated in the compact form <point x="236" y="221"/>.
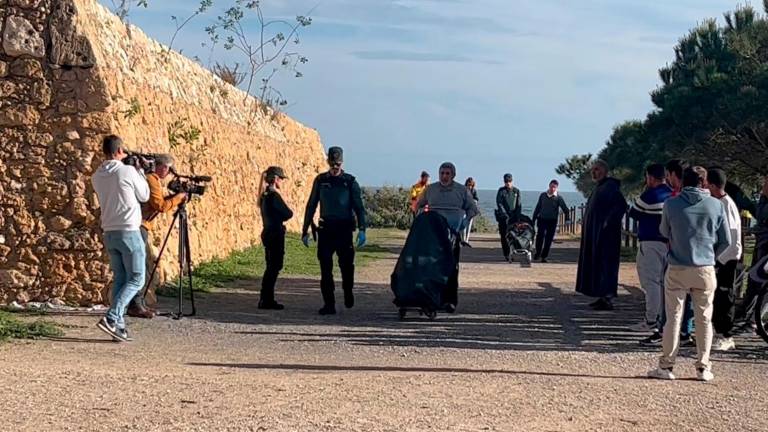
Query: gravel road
<point x="522" y="353"/>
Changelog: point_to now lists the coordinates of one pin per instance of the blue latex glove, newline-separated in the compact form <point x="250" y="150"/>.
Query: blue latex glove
<point x="360" y="239"/>
<point x="305" y="240"/>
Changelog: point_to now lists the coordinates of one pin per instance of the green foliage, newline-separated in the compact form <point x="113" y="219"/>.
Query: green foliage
<point x="482" y="224"/>
<point x="134" y="109"/>
<point x="13" y="328"/>
<point x="577" y="169"/>
<point x="710" y="108"/>
<point x="388" y="207"/>
<point x="249" y="264"/>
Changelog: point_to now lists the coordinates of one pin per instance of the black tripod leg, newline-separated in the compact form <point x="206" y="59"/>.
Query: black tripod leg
<point x="182" y="257"/>
<point x="188" y="260"/>
<point x="159" y="255"/>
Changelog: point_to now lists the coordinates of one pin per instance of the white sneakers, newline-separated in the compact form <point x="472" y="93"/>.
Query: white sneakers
<point x="704" y="375"/>
<point x="663" y="374"/>
<point x="723" y="343"/>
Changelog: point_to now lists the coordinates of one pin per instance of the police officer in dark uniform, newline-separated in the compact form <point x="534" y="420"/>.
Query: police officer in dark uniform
<point x="274" y="212"/>
<point x="341" y="210"/>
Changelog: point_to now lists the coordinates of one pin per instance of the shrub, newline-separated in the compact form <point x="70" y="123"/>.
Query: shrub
<point x="388" y="207"/>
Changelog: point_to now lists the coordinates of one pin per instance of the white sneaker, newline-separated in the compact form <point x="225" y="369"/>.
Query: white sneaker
<point x="663" y="374"/>
<point x="723" y="344"/>
<point x="643" y="327"/>
<point x="704" y="375"/>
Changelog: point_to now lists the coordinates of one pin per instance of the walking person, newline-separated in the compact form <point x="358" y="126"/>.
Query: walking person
<point x="545" y="216"/>
<point x="600" y="252"/>
<point x="652" y="254"/>
<point x="508" y="210"/>
<point x="454" y="202"/>
<point x="341" y="210"/>
<point x="691" y="269"/>
<point x="472" y="188"/>
<point x="120" y="190"/>
<point x="724" y="303"/>
<point x="417" y="189"/>
<point x="274" y="213"/>
<point x="746" y="311"/>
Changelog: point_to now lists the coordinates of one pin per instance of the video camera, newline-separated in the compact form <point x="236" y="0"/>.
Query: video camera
<point x="144" y="161"/>
<point x="191" y="184"/>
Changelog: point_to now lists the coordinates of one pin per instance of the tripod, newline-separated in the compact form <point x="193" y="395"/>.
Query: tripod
<point x="185" y="262"/>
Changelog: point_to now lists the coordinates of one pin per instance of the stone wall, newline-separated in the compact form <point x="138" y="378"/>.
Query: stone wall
<point x="71" y="72"/>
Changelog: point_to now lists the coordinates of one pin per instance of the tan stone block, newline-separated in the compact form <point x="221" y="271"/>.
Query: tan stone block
<point x="59" y="223"/>
<point x="19" y="115"/>
<point x="26" y="67"/>
<point x="21" y="38"/>
<point x="3" y="70"/>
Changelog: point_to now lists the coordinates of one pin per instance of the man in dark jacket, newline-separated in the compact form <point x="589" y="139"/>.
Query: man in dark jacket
<point x="746" y="311"/>
<point x="274" y="213"/>
<point x="341" y="209"/>
<point x="508" y="210"/>
<point x="545" y="216"/>
<point x="598" y="271"/>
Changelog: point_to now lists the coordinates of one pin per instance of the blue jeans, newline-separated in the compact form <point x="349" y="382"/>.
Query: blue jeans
<point x="127" y="257"/>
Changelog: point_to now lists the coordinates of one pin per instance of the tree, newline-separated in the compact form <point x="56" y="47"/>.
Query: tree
<point x="577" y="168"/>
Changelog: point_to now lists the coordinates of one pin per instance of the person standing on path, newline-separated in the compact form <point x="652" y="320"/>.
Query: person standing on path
<point x="600" y="252"/>
<point x="341" y="209"/>
<point x="472" y="188"/>
<point x="274" y="213"/>
<point x="652" y="254"/>
<point x="120" y="190"/>
<point x="545" y="216"/>
<point x="691" y="269"/>
<point x="417" y="189"/>
<point x="508" y="210"/>
<point x="454" y="202"/>
<point x="746" y="311"/>
<point x="724" y="306"/>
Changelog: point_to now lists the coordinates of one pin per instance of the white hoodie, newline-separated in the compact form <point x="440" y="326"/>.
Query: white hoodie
<point x="121" y="189"/>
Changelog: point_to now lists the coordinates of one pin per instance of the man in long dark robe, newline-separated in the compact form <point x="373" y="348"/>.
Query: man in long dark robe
<point x="598" y="273"/>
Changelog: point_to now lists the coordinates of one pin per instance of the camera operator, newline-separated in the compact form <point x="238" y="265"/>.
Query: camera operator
<point x="120" y="189"/>
<point x="157" y="203"/>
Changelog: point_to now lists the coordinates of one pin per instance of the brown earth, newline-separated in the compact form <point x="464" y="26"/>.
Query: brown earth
<point x="523" y="352"/>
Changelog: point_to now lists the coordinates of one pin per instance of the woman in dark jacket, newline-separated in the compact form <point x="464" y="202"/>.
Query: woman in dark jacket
<point x="472" y="188"/>
<point x="274" y="212"/>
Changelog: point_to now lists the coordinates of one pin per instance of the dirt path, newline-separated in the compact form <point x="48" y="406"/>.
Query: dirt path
<point x="523" y="352"/>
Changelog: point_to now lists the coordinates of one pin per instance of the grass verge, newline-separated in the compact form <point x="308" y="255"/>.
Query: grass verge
<point x="14" y="328"/>
<point x="250" y="263"/>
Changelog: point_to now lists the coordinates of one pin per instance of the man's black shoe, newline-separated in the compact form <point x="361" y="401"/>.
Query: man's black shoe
<point x="327" y="310"/>
<point x="602" y="305"/>
<point x="544" y="261"/>
<point x="652" y="340"/>
<point x="450" y="308"/>
<point x="270" y="305"/>
<point x="349" y="298"/>
<point x="537" y="257"/>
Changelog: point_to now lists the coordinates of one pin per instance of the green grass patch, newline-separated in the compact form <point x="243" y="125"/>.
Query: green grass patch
<point x="14" y="328"/>
<point x="250" y="263"/>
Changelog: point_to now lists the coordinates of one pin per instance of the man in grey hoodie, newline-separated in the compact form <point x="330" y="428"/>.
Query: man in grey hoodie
<point x="695" y="224"/>
<point x="121" y="190"/>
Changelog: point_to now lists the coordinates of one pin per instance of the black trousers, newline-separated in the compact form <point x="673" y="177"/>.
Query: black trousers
<point x="451" y="293"/>
<point x="335" y="239"/>
<point x="746" y="311"/>
<point x="546" y="230"/>
<point x="503" y="234"/>
<point x="274" y="253"/>
<point x="724" y="306"/>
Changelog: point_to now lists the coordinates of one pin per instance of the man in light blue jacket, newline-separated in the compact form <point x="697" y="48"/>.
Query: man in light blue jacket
<point x="694" y="222"/>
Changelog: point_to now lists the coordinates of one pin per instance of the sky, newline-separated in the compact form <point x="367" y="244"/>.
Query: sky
<point x="494" y="86"/>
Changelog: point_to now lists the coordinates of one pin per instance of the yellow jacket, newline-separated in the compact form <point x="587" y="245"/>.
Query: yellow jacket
<point x="157" y="202"/>
<point x="416" y="191"/>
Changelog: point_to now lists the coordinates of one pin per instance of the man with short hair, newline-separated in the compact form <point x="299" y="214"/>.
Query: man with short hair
<point x="545" y="216"/>
<point x="120" y="189"/>
<point x="652" y="254"/>
<point x="508" y="210"/>
<point x="454" y="202"/>
<point x="746" y="311"/>
<point x="417" y="189"/>
<point x="691" y="269"/>
<point x="600" y="251"/>
<point x="157" y="204"/>
<point x="341" y="210"/>
<point x="724" y="306"/>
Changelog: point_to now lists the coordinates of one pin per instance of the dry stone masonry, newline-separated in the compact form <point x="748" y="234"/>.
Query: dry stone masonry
<point x="71" y="72"/>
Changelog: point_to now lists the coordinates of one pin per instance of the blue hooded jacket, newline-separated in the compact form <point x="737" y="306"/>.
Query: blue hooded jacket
<point x="694" y="223"/>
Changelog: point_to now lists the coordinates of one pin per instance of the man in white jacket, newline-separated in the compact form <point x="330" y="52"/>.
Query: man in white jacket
<point x="121" y="190"/>
<point x="725" y="296"/>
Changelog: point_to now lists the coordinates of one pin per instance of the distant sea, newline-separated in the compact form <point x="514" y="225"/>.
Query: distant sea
<point x="487" y="202"/>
